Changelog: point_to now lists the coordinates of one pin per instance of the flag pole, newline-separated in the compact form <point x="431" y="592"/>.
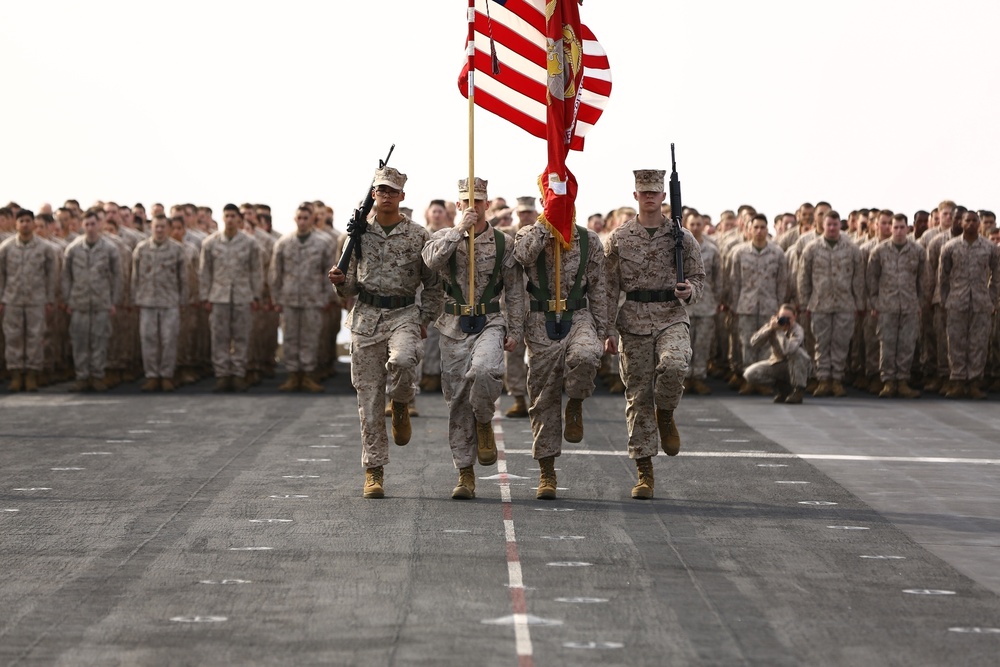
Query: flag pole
<point x="469" y="321"/>
<point x="471" y="53"/>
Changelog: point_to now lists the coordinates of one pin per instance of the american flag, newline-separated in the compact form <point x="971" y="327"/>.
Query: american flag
<point x="513" y="83"/>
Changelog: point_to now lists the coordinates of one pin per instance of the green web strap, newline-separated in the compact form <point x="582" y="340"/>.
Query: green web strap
<point x="493" y="288"/>
<point x="576" y="300"/>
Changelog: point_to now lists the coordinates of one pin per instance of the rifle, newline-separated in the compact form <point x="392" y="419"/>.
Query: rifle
<point x="358" y="223"/>
<point x="675" y="214"/>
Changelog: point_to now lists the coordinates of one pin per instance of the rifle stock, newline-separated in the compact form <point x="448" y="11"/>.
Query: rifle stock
<point x="358" y="223"/>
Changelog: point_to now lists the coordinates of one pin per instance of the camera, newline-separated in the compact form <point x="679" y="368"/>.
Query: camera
<point x="783" y="320"/>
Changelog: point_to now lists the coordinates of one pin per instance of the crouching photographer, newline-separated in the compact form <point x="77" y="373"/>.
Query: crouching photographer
<point x="789" y="365"/>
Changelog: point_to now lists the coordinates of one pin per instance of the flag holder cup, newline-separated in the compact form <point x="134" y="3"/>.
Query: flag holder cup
<point x="470" y="322"/>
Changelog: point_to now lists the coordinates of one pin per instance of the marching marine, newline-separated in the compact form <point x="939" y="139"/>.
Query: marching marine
<point x="652" y="323"/>
<point x="386" y="323"/>
<point x="568" y="363"/>
<point x="472" y="361"/>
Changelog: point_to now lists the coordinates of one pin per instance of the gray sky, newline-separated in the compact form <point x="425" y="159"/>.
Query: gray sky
<point x="862" y="103"/>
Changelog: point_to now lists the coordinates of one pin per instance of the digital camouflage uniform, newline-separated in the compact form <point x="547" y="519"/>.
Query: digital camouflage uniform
<point x="655" y="344"/>
<point x="758" y="284"/>
<point x="120" y="344"/>
<point x="896" y="279"/>
<point x="385" y="341"/>
<point x="569" y="364"/>
<point x="230" y="278"/>
<point x="831" y="286"/>
<point x="472" y="364"/>
<point x="262" y="319"/>
<point x="91" y="285"/>
<point x="299" y="285"/>
<point x="702" y="312"/>
<point x="28" y="273"/>
<point x="939" y="319"/>
<point x="159" y="286"/>
<point x="969" y="284"/>
<point x="187" y="339"/>
<point x="788" y="360"/>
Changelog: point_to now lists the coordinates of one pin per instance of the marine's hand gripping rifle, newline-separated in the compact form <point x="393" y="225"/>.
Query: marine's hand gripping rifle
<point x="358" y="224"/>
<point x="675" y="214"/>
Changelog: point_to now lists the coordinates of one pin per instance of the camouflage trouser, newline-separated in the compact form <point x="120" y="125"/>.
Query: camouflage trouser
<point x="872" y="346"/>
<point x="733" y="343"/>
<point x="720" y="346"/>
<point x="833" y="338"/>
<point x="516" y="371"/>
<point x="431" y="364"/>
<point x="968" y="335"/>
<point x="897" y="337"/>
<point x="203" y="338"/>
<point x="230" y="324"/>
<point x="120" y="344"/>
<point x="941" y="336"/>
<point x="857" y="352"/>
<point x="805" y="319"/>
<point x="794" y="370"/>
<point x="3" y="348"/>
<point x="748" y="326"/>
<point x="702" y="335"/>
<point x="90" y="331"/>
<point x="472" y="381"/>
<point x="993" y="356"/>
<point x="553" y="365"/>
<point x="653" y="370"/>
<point x="300" y="329"/>
<point x="256" y="340"/>
<point x="159" y="329"/>
<point x="24" y="331"/>
<point x="391" y="354"/>
<point x="186" y="336"/>
<point x="928" y="343"/>
<point x="326" y="344"/>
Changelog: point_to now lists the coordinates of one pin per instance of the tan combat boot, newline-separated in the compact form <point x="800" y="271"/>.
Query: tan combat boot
<point x="547" y="479"/>
<point x="700" y="388"/>
<point x="466" y="488"/>
<point x="905" y="390"/>
<point x="98" y="384"/>
<point x="975" y="391"/>
<point x="16" y="381"/>
<point x="486" y="446"/>
<point x="166" y="384"/>
<point x="31" y="381"/>
<point x="222" y="385"/>
<point x="388" y="408"/>
<point x="837" y="389"/>
<point x="573" y="431"/>
<point x="955" y="390"/>
<point x="151" y="384"/>
<point x="309" y="384"/>
<point x="401" y="429"/>
<point x="824" y="388"/>
<point x="519" y="409"/>
<point x="888" y="389"/>
<point x="670" y="439"/>
<point x="240" y="383"/>
<point x="643" y="490"/>
<point x="293" y="383"/>
<point x="933" y="385"/>
<point x="373" y="483"/>
<point x="82" y="384"/>
<point x="795" y="398"/>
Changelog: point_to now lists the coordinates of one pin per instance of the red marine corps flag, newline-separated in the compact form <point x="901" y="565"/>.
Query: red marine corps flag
<point x="544" y="71"/>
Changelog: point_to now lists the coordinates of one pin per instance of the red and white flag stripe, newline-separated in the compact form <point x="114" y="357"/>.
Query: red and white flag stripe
<point x="517" y="92"/>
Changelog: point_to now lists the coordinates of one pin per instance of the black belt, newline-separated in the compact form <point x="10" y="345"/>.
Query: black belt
<point x="651" y="296"/>
<point x="385" y="301"/>
<point x="571" y="304"/>
<point x="478" y="309"/>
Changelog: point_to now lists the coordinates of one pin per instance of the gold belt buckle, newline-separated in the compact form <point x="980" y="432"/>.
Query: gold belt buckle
<point x="466" y="310"/>
<point x="552" y="304"/>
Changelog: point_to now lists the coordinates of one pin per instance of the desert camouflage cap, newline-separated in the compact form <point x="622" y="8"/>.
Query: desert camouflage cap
<point x="649" y="180"/>
<point x="479" y="185"/>
<point x="389" y="176"/>
<point x="526" y="204"/>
